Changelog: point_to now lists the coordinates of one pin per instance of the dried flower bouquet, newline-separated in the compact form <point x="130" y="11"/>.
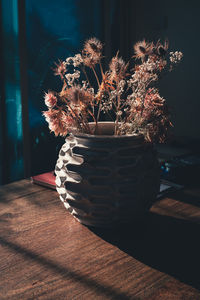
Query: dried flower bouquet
<point x="127" y="95"/>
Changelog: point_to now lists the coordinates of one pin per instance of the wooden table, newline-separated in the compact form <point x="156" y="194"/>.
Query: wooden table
<point x="46" y="254"/>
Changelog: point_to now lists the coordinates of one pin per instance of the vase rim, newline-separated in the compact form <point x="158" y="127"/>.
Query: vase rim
<point x="107" y="136"/>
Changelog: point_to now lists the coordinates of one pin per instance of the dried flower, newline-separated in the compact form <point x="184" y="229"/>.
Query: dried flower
<point x="50" y="99"/>
<point x="78" y="96"/>
<point x="117" y="69"/>
<point x="57" y="121"/>
<point x="76" y="60"/>
<point x="175" y="57"/>
<point x="92" y="52"/>
<point x="142" y="49"/>
<point x="151" y="116"/>
<point x="128" y="97"/>
<point x="161" y="49"/>
<point x="60" y="68"/>
<point x="93" y="46"/>
<point x="72" y="77"/>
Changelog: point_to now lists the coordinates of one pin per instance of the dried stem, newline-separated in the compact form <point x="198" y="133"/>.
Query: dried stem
<point x="86" y="76"/>
<point x="101" y="68"/>
<point x="95" y="74"/>
<point x="92" y="116"/>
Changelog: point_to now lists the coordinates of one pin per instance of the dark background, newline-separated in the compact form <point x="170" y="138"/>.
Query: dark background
<point x="34" y="34"/>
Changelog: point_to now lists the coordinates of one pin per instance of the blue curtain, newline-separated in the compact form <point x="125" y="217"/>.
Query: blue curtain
<point x="34" y="35"/>
<point x="12" y="163"/>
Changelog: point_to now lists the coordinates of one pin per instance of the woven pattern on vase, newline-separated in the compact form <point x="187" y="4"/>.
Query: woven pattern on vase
<point x="107" y="181"/>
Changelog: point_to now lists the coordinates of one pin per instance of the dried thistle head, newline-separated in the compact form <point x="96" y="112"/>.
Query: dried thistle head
<point x="92" y="52"/>
<point x="56" y="121"/>
<point x="89" y="60"/>
<point x="117" y="68"/>
<point x="79" y="96"/>
<point x="93" y="46"/>
<point x="60" y="68"/>
<point x="161" y="49"/>
<point x="142" y="49"/>
<point x="50" y="99"/>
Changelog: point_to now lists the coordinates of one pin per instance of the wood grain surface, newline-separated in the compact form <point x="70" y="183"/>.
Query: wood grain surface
<point x="46" y="254"/>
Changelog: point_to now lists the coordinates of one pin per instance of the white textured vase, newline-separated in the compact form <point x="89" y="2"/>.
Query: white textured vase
<point x="104" y="180"/>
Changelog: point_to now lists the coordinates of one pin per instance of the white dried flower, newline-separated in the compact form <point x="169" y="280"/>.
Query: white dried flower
<point x="78" y="60"/>
<point x="71" y="77"/>
<point x="75" y="60"/>
<point x="91" y="90"/>
<point x="175" y="57"/>
<point x="69" y="61"/>
<point x="119" y="113"/>
<point x="85" y="84"/>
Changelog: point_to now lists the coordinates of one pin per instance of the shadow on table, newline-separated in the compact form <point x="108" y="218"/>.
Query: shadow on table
<point x="165" y="243"/>
<point x="67" y="273"/>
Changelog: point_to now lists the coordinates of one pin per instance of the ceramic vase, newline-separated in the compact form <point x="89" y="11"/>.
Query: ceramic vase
<point x="106" y="180"/>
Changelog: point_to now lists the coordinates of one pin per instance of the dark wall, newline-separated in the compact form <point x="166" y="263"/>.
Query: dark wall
<point x="179" y="22"/>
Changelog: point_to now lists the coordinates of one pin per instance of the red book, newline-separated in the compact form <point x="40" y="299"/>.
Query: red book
<point x="45" y="179"/>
